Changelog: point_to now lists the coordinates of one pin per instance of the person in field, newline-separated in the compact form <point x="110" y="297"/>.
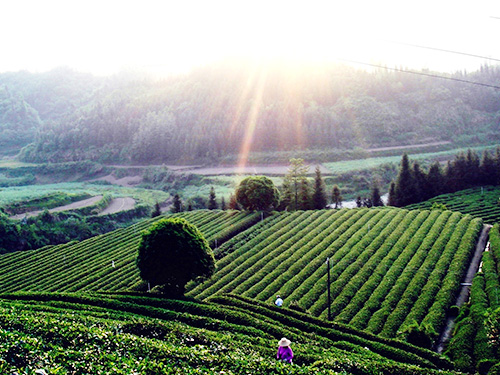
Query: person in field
<point x="285" y="353"/>
<point x="279" y="301"/>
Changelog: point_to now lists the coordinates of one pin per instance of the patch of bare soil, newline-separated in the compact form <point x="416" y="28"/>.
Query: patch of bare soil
<point x="430" y="144"/>
<point x="117" y="205"/>
<point x="254" y="169"/>
<point x="127" y="181"/>
<point x="67" y="207"/>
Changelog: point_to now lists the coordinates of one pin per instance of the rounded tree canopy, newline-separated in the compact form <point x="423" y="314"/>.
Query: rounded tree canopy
<point x="172" y="252"/>
<point x="257" y="193"/>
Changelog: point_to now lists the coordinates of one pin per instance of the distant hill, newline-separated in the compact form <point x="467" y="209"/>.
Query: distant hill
<point x="216" y="111"/>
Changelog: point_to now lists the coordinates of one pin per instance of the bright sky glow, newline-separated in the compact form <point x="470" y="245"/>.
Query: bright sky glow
<point x="108" y="36"/>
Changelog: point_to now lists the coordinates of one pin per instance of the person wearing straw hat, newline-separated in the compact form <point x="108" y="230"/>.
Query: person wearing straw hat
<point x="279" y="301"/>
<point x="285" y="353"/>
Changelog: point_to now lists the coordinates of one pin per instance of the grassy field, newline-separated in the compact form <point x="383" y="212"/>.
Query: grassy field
<point x="24" y="193"/>
<point x="370" y="163"/>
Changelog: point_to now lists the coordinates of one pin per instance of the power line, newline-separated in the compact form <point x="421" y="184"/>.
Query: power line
<point x="420" y="73"/>
<point x="445" y="50"/>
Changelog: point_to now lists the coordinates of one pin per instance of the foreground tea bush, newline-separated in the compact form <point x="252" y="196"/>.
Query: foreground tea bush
<point x="124" y="334"/>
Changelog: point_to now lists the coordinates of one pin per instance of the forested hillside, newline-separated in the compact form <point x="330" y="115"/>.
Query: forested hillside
<point x="219" y="109"/>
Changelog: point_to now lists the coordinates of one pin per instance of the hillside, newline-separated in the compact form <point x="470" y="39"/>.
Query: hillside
<point x="119" y="334"/>
<point x="215" y="112"/>
<point x="390" y="268"/>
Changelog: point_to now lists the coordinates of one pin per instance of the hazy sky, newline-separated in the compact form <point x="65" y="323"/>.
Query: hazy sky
<point x="107" y="36"/>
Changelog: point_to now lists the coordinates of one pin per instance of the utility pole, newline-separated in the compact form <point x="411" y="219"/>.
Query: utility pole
<point x="328" y="288"/>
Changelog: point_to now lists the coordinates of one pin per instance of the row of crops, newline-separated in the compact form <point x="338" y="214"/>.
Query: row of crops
<point x="476" y="342"/>
<point x="105" y="262"/>
<point x="123" y="334"/>
<point x="391" y="269"/>
<point x="482" y="202"/>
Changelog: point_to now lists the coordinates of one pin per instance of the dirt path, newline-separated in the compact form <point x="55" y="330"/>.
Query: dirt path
<point x="68" y="207"/>
<point x="465" y="289"/>
<point x="117" y="205"/>
<point x="409" y="146"/>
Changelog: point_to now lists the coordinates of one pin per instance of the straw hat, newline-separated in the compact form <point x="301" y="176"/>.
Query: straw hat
<point x="284" y="342"/>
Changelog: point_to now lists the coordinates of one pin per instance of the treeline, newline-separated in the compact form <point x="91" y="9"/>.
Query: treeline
<point x="223" y="108"/>
<point x="467" y="170"/>
<point x="59" y="227"/>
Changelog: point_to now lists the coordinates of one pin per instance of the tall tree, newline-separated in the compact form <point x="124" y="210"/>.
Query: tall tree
<point x="156" y="210"/>
<point x="375" y="199"/>
<point x="405" y="184"/>
<point x="336" y="197"/>
<point x="319" y="195"/>
<point x="419" y="179"/>
<point x="392" y="195"/>
<point x="176" y="204"/>
<point x="305" y="199"/>
<point x="212" y="202"/>
<point x="434" y="180"/>
<point x="488" y="169"/>
<point x="297" y="173"/>
<point x="223" y="203"/>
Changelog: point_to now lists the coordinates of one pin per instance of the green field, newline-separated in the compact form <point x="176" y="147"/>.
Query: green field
<point x="26" y="193"/>
<point x="374" y="162"/>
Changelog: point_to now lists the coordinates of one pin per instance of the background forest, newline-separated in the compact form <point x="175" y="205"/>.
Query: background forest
<point x="215" y="112"/>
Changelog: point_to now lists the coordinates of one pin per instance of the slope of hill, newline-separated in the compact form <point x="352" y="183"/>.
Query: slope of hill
<point x="482" y="202"/>
<point x="205" y="114"/>
<point x="119" y="334"/>
<point x="391" y="269"/>
<point x="105" y="262"/>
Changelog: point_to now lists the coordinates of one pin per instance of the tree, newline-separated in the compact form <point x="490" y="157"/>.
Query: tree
<point x="319" y="195"/>
<point x="233" y="204"/>
<point x="177" y="204"/>
<point x="223" y="203"/>
<point x="257" y="193"/>
<point x="435" y="180"/>
<point x="305" y="202"/>
<point x="336" y="197"/>
<point x="212" y="202"/>
<point x="489" y="173"/>
<point x="392" y="195"/>
<point x="375" y="199"/>
<point x="156" y="210"/>
<point x="173" y="252"/>
<point x="297" y="172"/>
<point x="405" y="185"/>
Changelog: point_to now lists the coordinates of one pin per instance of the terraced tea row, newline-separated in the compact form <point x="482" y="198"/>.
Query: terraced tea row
<point x="391" y="268"/>
<point x="119" y="334"/>
<point x="482" y="202"/>
<point x="474" y="346"/>
<point x="105" y="262"/>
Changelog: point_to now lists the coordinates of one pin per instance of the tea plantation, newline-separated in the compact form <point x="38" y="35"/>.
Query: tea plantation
<point x="75" y="309"/>
<point x="120" y="334"/>
<point x="482" y="202"/>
